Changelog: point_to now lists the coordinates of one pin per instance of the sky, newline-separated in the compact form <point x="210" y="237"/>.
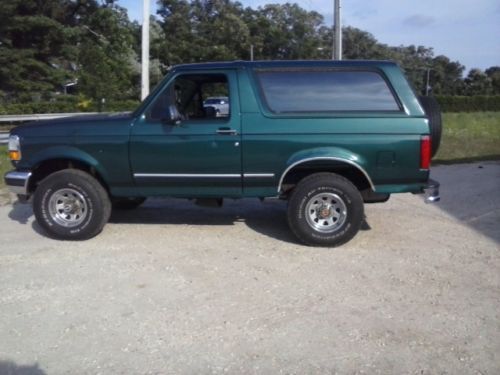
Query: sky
<point x="467" y="31"/>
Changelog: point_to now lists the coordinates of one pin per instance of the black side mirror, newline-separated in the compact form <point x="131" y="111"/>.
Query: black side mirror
<point x="172" y="116"/>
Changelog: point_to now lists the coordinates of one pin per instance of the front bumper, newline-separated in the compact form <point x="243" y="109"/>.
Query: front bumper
<point x="431" y="191"/>
<point x="18" y="182"/>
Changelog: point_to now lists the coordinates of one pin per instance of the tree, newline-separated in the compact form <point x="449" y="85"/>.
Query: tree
<point x="284" y="31"/>
<point x="446" y="76"/>
<point x="37" y="46"/>
<point x="494" y="75"/>
<point x="180" y="39"/>
<point x="477" y="83"/>
<point x="359" y="44"/>
<point x="106" y="55"/>
<point x="202" y="30"/>
<point x="46" y="44"/>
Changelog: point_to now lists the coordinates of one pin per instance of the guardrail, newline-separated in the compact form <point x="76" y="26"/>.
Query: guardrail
<point x="4" y="138"/>
<point x="43" y="116"/>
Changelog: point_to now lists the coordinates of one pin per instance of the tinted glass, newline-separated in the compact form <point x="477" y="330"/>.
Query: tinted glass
<point x="324" y="91"/>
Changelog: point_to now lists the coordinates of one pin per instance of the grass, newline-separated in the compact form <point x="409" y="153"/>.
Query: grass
<point x="5" y="165"/>
<point x="466" y="137"/>
<point x="469" y="137"/>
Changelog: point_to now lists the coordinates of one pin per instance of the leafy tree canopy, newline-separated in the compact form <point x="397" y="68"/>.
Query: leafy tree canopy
<point x="46" y="45"/>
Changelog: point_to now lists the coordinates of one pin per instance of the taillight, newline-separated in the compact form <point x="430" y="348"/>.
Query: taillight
<point x="425" y="152"/>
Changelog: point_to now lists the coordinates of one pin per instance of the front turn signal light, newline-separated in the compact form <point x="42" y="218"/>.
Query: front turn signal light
<point x="15" y="155"/>
<point x="14" y="148"/>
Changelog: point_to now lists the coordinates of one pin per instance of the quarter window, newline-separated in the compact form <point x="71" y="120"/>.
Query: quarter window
<point x="326" y="91"/>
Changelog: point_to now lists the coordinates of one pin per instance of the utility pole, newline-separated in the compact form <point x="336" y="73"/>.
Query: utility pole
<point x="337" y="37"/>
<point x="145" y="50"/>
<point x="251" y="52"/>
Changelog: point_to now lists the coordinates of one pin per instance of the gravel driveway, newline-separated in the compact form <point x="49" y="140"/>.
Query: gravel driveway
<point x="172" y="288"/>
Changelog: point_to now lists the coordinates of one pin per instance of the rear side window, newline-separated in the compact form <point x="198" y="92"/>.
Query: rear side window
<point x="326" y="91"/>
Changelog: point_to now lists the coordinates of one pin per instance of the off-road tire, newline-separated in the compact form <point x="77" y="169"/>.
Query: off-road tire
<point x="88" y="192"/>
<point x="433" y="113"/>
<point x="340" y="192"/>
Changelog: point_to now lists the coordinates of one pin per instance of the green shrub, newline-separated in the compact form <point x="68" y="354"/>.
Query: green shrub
<point x="67" y="104"/>
<point x="122" y="106"/>
<point x="477" y="103"/>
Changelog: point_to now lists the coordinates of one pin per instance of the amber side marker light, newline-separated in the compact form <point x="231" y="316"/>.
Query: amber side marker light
<point x="14" y="148"/>
<point x="15" y="155"/>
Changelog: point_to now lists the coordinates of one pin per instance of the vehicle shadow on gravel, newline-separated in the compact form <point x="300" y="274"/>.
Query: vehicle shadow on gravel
<point x="22" y="212"/>
<point x="11" y="368"/>
<point x="267" y="218"/>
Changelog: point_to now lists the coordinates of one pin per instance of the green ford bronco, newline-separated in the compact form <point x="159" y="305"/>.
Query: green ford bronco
<point x="328" y="136"/>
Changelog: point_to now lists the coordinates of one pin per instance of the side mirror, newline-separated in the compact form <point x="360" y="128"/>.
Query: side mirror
<point x="172" y="116"/>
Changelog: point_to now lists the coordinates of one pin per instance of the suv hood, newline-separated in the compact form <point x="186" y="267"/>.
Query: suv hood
<point x="66" y="125"/>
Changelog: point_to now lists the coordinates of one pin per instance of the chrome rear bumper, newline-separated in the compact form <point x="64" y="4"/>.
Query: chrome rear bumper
<point x="18" y="182"/>
<point x="431" y="191"/>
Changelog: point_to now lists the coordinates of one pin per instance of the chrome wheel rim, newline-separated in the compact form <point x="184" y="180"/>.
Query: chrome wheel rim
<point x="326" y="212"/>
<point x="68" y="207"/>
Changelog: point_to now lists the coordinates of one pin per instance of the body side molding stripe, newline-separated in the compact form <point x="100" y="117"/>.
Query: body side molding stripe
<point x="202" y="175"/>
<point x="185" y="175"/>
<point x="259" y="175"/>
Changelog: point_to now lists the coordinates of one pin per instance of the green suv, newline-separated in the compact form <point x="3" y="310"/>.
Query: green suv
<point x="327" y="136"/>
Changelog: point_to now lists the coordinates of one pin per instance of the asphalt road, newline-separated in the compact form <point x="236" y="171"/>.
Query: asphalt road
<point x="175" y="289"/>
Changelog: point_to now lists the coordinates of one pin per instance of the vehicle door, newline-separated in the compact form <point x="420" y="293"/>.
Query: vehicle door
<point x="179" y="147"/>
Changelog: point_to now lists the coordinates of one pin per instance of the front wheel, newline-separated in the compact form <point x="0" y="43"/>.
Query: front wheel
<point x="325" y="209"/>
<point x="71" y="205"/>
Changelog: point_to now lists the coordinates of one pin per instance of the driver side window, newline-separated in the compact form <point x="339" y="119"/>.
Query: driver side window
<point x="195" y="96"/>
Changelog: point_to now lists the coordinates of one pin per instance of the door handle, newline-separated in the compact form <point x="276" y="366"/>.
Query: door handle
<point x="226" y="131"/>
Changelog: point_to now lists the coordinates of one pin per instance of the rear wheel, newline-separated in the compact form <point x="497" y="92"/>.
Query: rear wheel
<point x="71" y="205"/>
<point x="325" y="209"/>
